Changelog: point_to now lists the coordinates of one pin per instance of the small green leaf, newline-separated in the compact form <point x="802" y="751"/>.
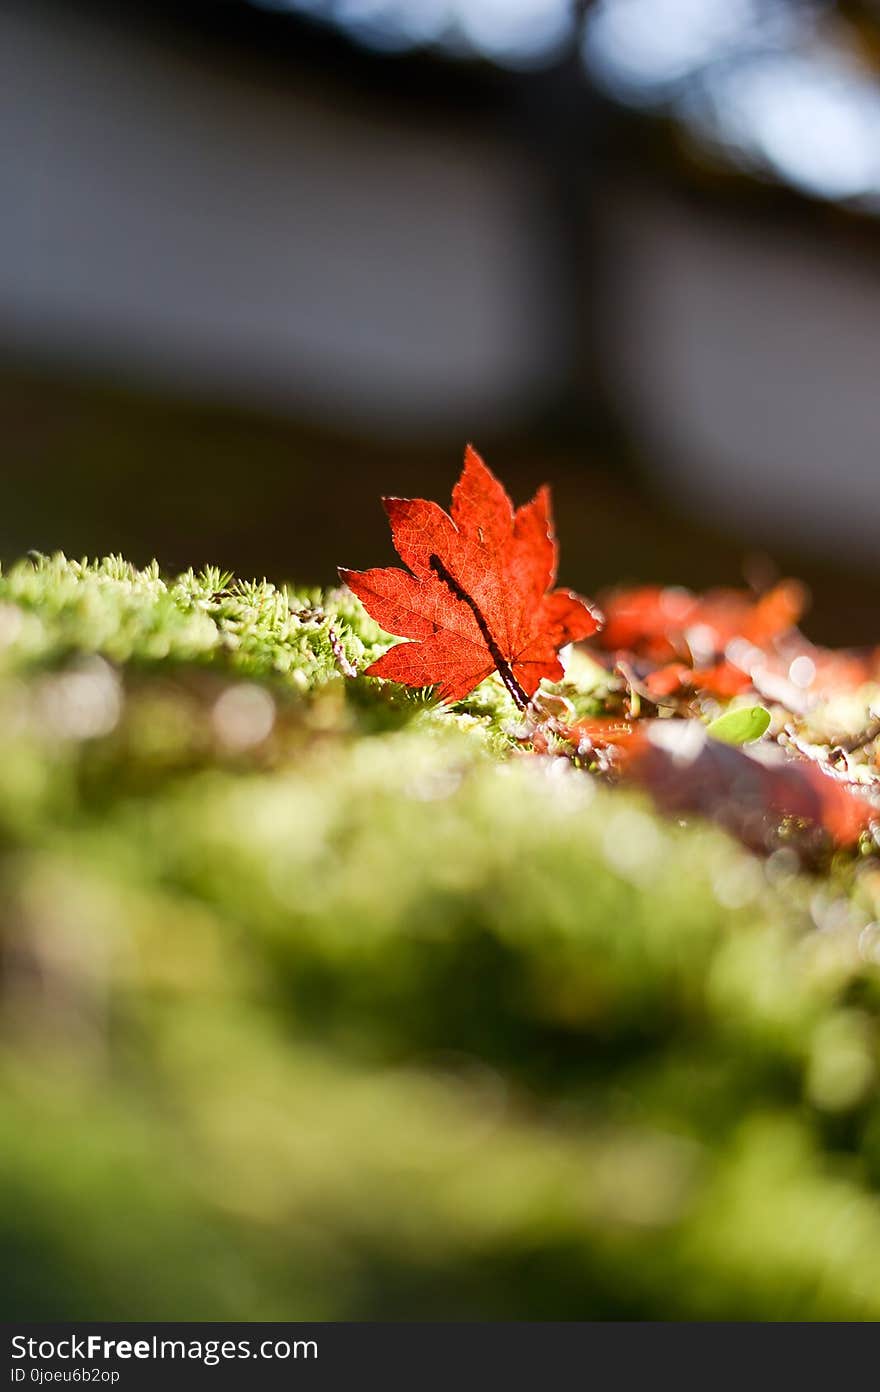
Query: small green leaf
<point x="740" y="726"/>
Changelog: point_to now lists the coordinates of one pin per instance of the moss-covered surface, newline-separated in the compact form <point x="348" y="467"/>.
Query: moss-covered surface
<point x="319" y="1002"/>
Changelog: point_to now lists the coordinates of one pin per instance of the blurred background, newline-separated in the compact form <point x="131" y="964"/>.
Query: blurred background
<point x="261" y="262"/>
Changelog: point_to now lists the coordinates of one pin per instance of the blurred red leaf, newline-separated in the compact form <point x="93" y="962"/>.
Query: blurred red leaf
<point x="665" y="624"/>
<point x="748" y="792"/>
<point x="600" y="732"/>
<point x="477" y="595"/>
<point x="723" y="679"/>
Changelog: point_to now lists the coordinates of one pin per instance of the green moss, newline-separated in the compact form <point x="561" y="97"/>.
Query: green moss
<point x="323" y="1002"/>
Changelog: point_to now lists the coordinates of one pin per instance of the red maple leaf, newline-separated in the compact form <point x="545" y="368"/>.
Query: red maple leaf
<point x="476" y="598"/>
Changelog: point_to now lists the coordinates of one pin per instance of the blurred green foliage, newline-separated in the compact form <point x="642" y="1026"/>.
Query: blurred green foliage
<point x="319" y="1002"/>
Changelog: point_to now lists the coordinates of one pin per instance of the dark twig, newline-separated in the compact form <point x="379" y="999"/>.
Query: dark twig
<point x="338" y="650"/>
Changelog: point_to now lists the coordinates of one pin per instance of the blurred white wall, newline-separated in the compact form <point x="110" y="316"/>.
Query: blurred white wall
<point x="749" y="360"/>
<point x="187" y="222"/>
<point x="180" y="220"/>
